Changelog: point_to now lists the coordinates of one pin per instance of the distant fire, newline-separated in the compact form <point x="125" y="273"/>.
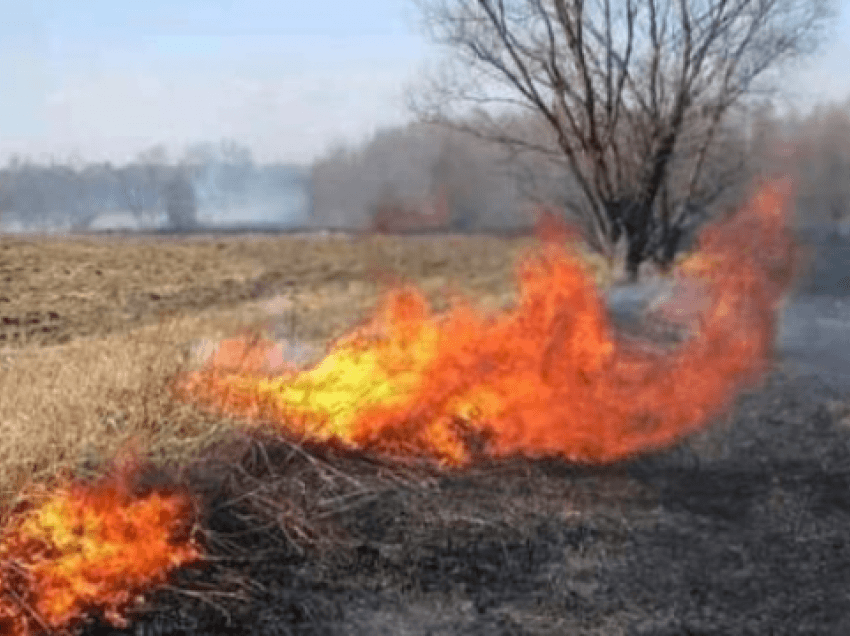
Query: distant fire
<point x="88" y="548"/>
<point x="548" y="377"/>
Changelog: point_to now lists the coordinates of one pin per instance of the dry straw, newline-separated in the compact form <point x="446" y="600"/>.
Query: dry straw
<point x="68" y="409"/>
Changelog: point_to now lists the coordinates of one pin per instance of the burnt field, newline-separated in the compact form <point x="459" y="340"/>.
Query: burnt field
<point x="742" y="529"/>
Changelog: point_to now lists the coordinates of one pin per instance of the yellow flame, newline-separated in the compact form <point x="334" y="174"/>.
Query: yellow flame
<point x="354" y="376"/>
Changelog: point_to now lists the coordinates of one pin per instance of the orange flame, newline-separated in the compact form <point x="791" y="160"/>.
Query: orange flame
<point x="88" y="548"/>
<point x="547" y="377"/>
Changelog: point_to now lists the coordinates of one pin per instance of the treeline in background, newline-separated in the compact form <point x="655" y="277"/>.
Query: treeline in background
<point x="408" y="179"/>
<point x="422" y="177"/>
<point x="212" y="185"/>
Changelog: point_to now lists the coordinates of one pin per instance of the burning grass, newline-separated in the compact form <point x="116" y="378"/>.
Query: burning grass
<point x="546" y="377"/>
<point x="89" y="548"/>
<point x="127" y="310"/>
<point x="65" y="410"/>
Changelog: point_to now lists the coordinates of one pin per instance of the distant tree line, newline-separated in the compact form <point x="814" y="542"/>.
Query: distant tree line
<point x="816" y="150"/>
<point x="399" y="179"/>
<point x="151" y="189"/>
<point x="417" y="177"/>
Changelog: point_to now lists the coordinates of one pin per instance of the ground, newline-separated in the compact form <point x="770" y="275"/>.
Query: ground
<point x="740" y="530"/>
<point x="56" y="290"/>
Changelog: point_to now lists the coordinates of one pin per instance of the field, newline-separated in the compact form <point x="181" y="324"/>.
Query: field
<point x="740" y="530"/>
<point x="90" y="329"/>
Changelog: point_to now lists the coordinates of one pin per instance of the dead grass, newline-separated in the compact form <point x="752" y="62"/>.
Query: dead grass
<point x="130" y="311"/>
<point x="271" y="484"/>
<point x="67" y="409"/>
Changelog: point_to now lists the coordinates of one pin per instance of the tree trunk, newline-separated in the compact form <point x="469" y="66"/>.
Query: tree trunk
<point x="637" y="237"/>
<point x="669" y="248"/>
<point x="628" y="219"/>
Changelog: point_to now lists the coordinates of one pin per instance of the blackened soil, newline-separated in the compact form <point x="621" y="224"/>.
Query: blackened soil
<point x="755" y="541"/>
<point x="742" y="530"/>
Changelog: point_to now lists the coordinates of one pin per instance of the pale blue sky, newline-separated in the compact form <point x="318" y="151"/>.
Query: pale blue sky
<point x="104" y="79"/>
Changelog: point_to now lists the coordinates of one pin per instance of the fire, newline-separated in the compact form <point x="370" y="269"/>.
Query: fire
<point x="88" y="547"/>
<point x="547" y="377"/>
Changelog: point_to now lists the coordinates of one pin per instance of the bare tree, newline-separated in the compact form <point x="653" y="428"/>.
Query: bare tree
<point x="632" y="95"/>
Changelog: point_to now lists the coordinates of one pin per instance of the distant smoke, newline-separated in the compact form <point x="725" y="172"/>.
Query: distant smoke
<point x="214" y="186"/>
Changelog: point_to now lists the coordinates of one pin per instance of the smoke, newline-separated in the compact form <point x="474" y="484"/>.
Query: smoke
<point x="219" y="186"/>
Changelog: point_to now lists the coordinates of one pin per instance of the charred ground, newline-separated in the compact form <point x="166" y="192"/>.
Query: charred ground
<point x="741" y="531"/>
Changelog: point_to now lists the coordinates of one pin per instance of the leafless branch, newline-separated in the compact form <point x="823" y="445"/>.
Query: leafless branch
<point x="623" y="87"/>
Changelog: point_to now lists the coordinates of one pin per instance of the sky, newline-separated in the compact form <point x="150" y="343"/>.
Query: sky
<point x="102" y="80"/>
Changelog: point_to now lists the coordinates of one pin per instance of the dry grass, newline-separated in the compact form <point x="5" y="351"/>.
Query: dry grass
<point x="270" y="483"/>
<point x="68" y="408"/>
<point x="129" y="312"/>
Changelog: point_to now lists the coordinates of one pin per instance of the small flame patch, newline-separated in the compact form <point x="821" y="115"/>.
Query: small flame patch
<point x="88" y="548"/>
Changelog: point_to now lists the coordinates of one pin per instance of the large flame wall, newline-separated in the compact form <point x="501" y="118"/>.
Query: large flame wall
<point x="548" y="377"/>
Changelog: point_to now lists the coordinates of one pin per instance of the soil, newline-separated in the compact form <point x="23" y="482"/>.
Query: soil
<point x="53" y="290"/>
<point x="742" y="529"/>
